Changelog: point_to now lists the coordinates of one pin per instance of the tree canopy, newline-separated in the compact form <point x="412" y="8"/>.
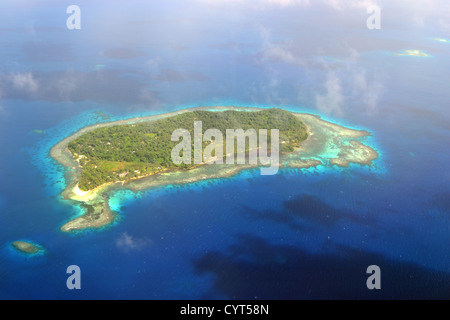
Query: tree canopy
<point x="123" y="152"/>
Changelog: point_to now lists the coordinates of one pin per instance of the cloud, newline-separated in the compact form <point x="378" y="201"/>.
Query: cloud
<point x="127" y="243"/>
<point x="422" y="14"/>
<point x="349" y="4"/>
<point x="335" y="4"/>
<point x="153" y="64"/>
<point x="290" y="52"/>
<point x="445" y="24"/>
<point x="368" y="92"/>
<point x="285" y="3"/>
<point x="279" y="53"/>
<point x="348" y="86"/>
<point x="259" y="4"/>
<point x="345" y="83"/>
<point x="24" y="81"/>
<point x="271" y="54"/>
<point x="395" y="14"/>
<point x="332" y="102"/>
<point x="105" y="86"/>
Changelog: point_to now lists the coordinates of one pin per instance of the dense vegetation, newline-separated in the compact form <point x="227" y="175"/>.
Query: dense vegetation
<point x="122" y="152"/>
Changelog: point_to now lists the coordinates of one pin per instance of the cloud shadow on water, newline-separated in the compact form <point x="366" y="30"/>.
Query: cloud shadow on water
<point x="304" y="211"/>
<point x="254" y="268"/>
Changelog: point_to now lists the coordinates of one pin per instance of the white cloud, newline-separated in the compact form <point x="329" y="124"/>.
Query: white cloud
<point x="333" y="101"/>
<point x="445" y="24"/>
<point x="127" y="243"/>
<point x="415" y="13"/>
<point x="347" y="84"/>
<point x="100" y="85"/>
<point x="277" y="52"/>
<point x="288" y="2"/>
<point x="349" y="4"/>
<point x="273" y="53"/>
<point x="336" y="4"/>
<point x="24" y="81"/>
<point x="444" y="20"/>
<point x="153" y="65"/>
<point x="368" y="92"/>
<point x="363" y="89"/>
<point x="260" y="4"/>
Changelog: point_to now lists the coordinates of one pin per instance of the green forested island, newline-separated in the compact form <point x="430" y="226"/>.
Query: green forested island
<point x="123" y="152"/>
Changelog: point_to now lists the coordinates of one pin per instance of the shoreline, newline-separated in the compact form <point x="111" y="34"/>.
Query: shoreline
<point x="327" y="144"/>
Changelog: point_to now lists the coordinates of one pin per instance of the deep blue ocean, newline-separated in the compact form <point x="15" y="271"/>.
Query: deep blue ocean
<point x="300" y="234"/>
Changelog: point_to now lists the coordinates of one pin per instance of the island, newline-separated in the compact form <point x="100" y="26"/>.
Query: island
<point x="133" y="151"/>
<point x="27" y="247"/>
<point x="136" y="153"/>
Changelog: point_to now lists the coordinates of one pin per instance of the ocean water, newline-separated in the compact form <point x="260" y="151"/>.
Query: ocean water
<point x="232" y="237"/>
<point x="300" y="234"/>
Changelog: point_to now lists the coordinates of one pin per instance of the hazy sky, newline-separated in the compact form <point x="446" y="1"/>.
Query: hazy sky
<point x="148" y="54"/>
